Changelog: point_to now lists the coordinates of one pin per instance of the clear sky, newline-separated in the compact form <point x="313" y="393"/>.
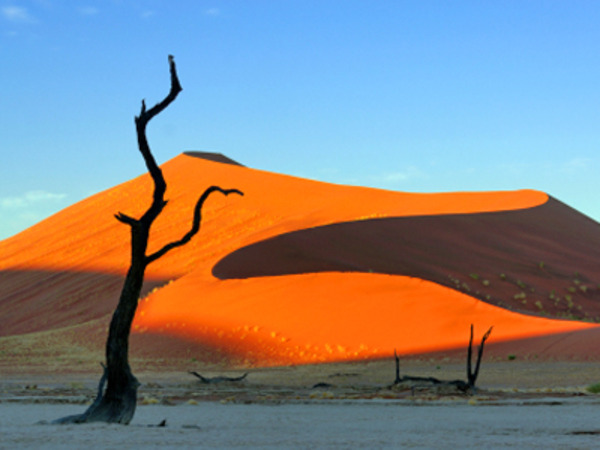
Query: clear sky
<point x="418" y="96"/>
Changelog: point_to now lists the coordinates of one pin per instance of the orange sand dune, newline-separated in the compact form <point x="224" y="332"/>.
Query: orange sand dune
<point x="267" y="320"/>
<point x="329" y="317"/>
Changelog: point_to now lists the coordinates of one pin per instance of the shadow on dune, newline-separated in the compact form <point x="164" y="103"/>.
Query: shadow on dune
<point x="77" y="307"/>
<point x="38" y="300"/>
<point x="570" y="346"/>
<point x="580" y="345"/>
<point x="156" y="346"/>
<point x="543" y="260"/>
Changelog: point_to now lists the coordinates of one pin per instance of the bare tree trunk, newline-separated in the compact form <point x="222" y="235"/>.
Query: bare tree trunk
<point x="468" y="386"/>
<point x="472" y="376"/>
<point x="397" y="380"/>
<point x="117" y="403"/>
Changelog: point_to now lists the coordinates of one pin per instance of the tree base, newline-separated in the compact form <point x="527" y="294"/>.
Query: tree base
<point x="109" y="408"/>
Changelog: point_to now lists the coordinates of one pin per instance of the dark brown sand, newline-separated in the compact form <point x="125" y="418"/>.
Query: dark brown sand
<point x="541" y="260"/>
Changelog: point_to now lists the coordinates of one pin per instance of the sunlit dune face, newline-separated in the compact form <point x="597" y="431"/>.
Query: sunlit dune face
<point x="281" y="319"/>
<point x="329" y="317"/>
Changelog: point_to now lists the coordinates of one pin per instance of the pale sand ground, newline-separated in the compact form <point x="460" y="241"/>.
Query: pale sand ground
<point x="331" y="424"/>
<point x="520" y="404"/>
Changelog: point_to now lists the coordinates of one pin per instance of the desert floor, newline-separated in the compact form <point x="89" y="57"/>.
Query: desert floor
<point x="519" y="403"/>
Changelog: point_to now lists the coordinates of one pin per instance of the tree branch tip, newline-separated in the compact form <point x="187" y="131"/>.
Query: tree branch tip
<point x="175" y="85"/>
<point x="125" y="219"/>
<point x="487" y="333"/>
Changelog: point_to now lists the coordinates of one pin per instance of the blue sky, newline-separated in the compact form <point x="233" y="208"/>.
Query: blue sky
<point x="418" y="96"/>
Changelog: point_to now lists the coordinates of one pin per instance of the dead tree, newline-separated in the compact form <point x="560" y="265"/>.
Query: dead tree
<point x="472" y="375"/>
<point x="468" y="386"/>
<point x="397" y="380"/>
<point x="116" y="403"/>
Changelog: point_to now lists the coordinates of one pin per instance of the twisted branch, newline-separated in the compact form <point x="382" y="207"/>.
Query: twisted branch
<point x="160" y="186"/>
<point x="195" y="223"/>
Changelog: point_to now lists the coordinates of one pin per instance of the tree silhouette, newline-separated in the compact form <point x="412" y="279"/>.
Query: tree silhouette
<point x="116" y="403"/>
<point x="460" y="385"/>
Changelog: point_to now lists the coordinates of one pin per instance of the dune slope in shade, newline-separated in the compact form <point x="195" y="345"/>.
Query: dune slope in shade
<point x="537" y="260"/>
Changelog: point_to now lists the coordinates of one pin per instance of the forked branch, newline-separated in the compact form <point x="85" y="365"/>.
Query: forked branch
<point x="472" y="376"/>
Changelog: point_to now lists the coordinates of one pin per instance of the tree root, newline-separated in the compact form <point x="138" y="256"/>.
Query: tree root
<point x="104" y="409"/>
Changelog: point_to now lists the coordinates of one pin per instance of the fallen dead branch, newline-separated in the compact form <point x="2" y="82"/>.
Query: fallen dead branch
<point x="219" y="379"/>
